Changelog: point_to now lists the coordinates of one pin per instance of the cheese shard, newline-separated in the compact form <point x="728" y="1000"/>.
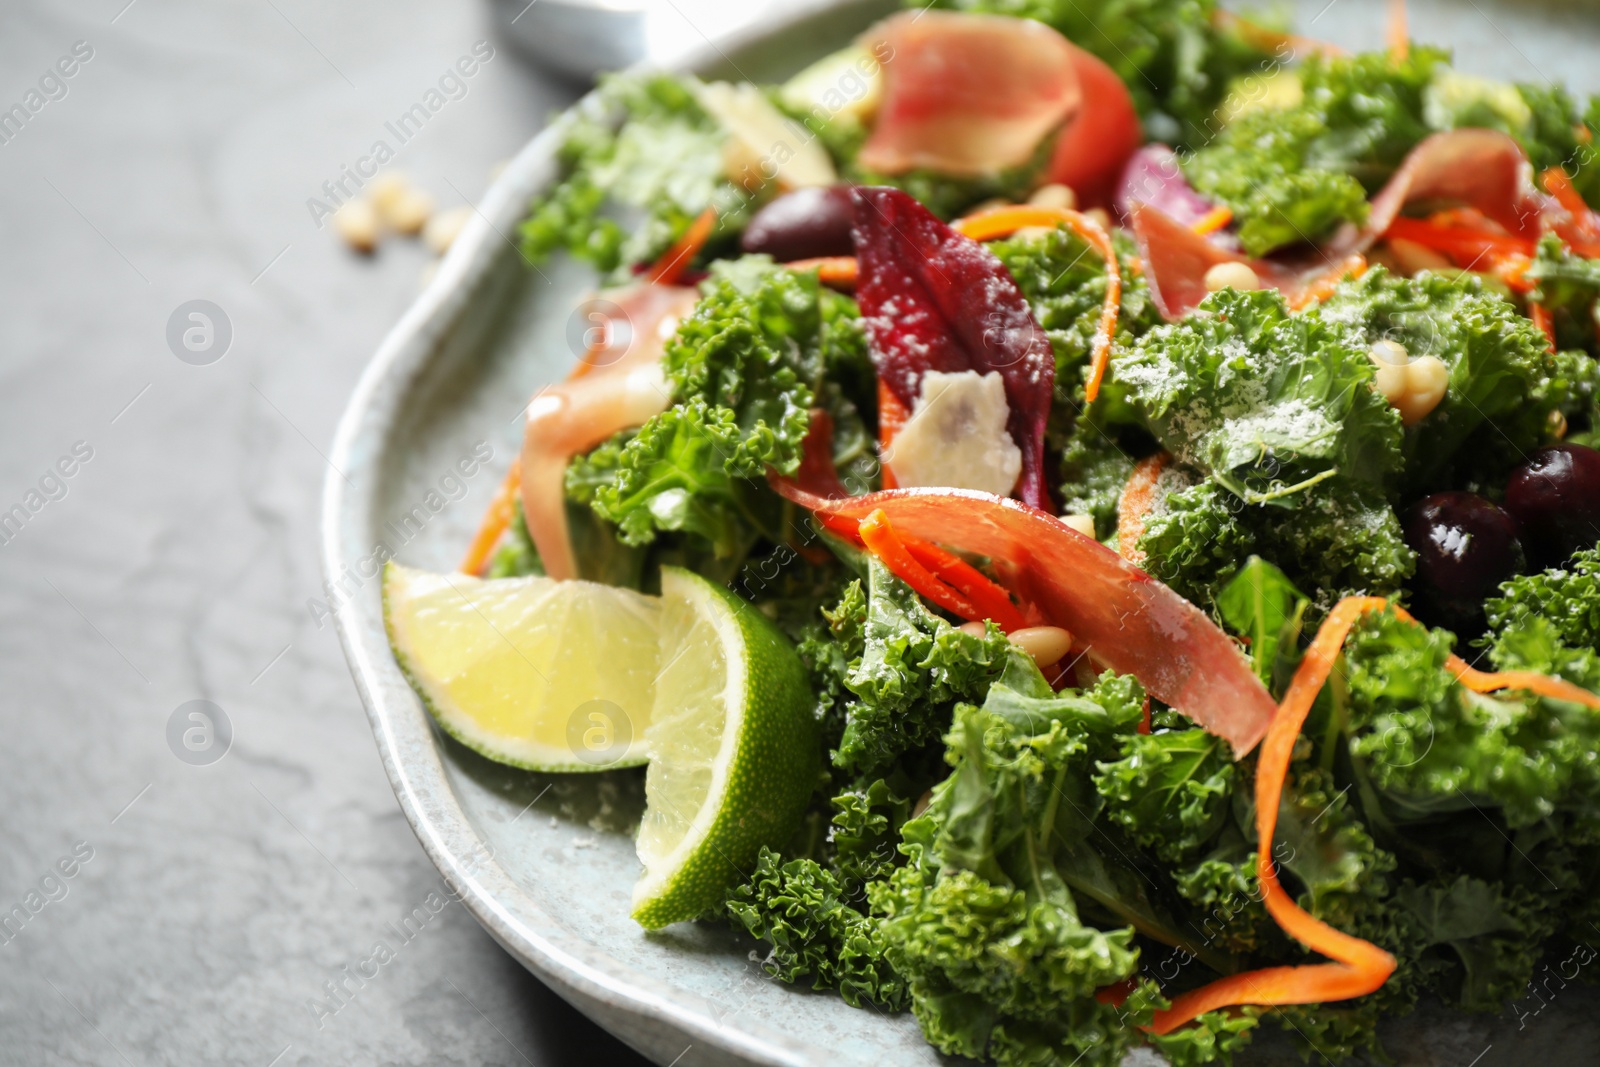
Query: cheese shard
<point x="956" y="437"/>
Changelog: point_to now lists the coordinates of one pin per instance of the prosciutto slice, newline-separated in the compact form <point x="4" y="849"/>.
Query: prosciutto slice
<point x="618" y="384"/>
<point x="1129" y="621"/>
<point x="968" y="95"/>
<point x="1482" y="169"/>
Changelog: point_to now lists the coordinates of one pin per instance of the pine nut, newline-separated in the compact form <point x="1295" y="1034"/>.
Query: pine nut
<point x="1084" y="524"/>
<point x="1054" y="195"/>
<point x="1232" y="275"/>
<point x="356" y="222"/>
<point x="1046" y="644"/>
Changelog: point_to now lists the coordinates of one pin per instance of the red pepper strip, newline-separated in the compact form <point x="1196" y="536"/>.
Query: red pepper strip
<point x="881" y="541"/>
<point x="1137" y="498"/>
<point x="1360" y="967"/>
<point x="496" y="519"/>
<point x="891" y="416"/>
<point x="991" y="601"/>
<point x="1463" y="244"/>
<point x="1541" y="318"/>
<point x="837" y="271"/>
<point x="1002" y="222"/>
<point x="670" y="267"/>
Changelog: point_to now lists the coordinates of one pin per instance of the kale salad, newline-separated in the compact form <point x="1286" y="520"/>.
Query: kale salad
<point x="1086" y="514"/>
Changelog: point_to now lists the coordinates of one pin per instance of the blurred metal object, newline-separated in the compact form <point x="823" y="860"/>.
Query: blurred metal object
<point x="576" y="38"/>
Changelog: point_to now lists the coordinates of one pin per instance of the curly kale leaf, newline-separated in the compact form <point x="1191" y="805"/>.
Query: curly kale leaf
<point x="1169" y="791"/>
<point x="1344" y="539"/>
<point x="664" y="160"/>
<point x="1432" y="746"/>
<point x="672" y="475"/>
<point x="914" y="666"/>
<point x="1265" y="402"/>
<point x="799" y="909"/>
<point x="764" y="343"/>
<point x="1293" y="171"/>
<point x="1481" y="940"/>
<point x="1566" y="598"/>
<point x="829" y="647"/>
<point x="1504" y="381"/>
<point x="864" y="831"/>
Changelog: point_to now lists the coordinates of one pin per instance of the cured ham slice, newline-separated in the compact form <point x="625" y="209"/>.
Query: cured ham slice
<point x="968" y="95"/>
<point x="1096" y="144"/>
<point x="934" y="300"/>
<point x="618" y="384"/>
<point x="1482" y="169"/>
<point x="1129" y="621"/>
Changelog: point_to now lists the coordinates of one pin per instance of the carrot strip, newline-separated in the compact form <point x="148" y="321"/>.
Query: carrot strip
<point x="1541" y="318"/>
<point x="985" y="594"/>
<point x="1002" y="222"/>
<point x="1360" y="967"/>
<point x="1213" y="220"/>
<point x="883" y="542"/>
<point x="1399" y="36"/>
<point x="496" y="520"/>
<point x="1269" y="40"/>
<point x="1138" y="496"/>
<point x="837" y="271"/>
<point x="670" y="267"/>
<point x="1353" y="266"/>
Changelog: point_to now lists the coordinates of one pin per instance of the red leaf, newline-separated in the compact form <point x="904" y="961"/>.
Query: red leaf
<point x="932" y="299"/>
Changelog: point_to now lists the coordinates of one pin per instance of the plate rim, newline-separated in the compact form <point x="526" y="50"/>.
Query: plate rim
<point x="608" y="990"/>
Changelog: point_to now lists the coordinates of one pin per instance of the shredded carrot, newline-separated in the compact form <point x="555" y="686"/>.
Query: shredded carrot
<point x="1145" y="723"/>
<point x="891" y="416"/>
<point x="1399" y="36"/>
<point x="496" y="520"/>
<point x="670" y="267"/>
<point x="1001" y="222"/>
<point x="1138" y="496"/>
<point x="992" y="601"/>
<point x="1541" y="318"/>
<point x="1269" y="40"/>
<point x="1353" y="266"/>
<point x="883" y="542"/>
<point x="1512" y="269"/>
<point x="838" y="271"/>
<point x="1213" y="220"/>
<point x="1360" y="967"/>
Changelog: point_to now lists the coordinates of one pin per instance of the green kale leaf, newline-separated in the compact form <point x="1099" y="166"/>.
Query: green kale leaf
<point x="914" y="667"/>
<point x="1169" y="791"/>
<point x="1566" y="599"/>
<point x="1262" y="605"/>
<point x="1504" y="382"/>
<point x="663" y="162"/>
<point x="1265" y="402"/>
<point x="799" y="909"/>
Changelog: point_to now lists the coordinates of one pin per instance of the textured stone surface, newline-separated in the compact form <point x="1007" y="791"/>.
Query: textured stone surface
<point x="179" y="562"/>
<point x="217" y="900"/>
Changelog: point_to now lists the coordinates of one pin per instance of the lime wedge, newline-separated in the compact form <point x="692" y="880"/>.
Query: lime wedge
<point x="732" y="744"/>
<point x="547" y="675"/>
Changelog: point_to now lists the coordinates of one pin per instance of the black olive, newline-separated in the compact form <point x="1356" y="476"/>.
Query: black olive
<point x="1555" y="498"/>
<point x="1465" y="548"/>
<point x="804" y="224"/>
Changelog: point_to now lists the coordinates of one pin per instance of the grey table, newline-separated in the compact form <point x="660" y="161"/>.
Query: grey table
<point x="179" y="912"/>
<point x="210" y="906"/>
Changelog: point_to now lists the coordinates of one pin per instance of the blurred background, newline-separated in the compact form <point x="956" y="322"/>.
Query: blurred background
<point x="171" y="468"/>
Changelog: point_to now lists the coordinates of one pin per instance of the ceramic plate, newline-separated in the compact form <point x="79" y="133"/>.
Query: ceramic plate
<point x="546" y="862"/>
